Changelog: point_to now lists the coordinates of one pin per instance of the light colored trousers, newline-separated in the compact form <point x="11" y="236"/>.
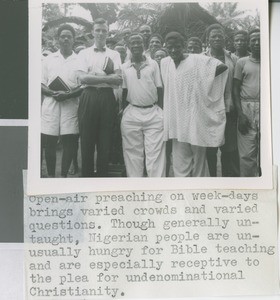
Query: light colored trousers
<point x="248" y="144"/>
<point x="142" y="138"/>
<point x="189" y="160"/>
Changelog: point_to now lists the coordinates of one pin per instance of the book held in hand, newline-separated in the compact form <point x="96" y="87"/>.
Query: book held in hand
<point x="108" y="66"/>
<point x="59" y="85"/>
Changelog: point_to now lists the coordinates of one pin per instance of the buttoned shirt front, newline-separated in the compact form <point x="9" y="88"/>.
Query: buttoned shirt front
<point x="142" y="84"/>
<point x="92" y="62"/>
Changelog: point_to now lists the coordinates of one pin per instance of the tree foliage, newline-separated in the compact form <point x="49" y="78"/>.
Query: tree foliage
<point x="227" y="14"/>
<point x="108" y="11"/>
<point x="133" y="15"/>
<point x="51" y="11"/>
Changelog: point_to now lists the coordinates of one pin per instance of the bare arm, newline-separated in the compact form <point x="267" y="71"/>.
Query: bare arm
<point x="243" y="122"/>
<point x="91" y="79"/>
<point x="47" y="91"/>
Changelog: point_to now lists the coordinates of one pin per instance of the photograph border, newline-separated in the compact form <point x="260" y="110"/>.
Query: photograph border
<point x="38" y="185"/>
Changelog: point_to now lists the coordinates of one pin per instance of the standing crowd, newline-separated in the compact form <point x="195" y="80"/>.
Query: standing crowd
<point x="157" y="103"/>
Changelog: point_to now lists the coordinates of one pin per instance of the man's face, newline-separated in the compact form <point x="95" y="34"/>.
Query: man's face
<point x="194" y="47"/>
<point x="175" y="49"/>
<point x="136" y="45"/>
<point x="240" y="42"/>
<point x="216" y="39"/>
<point x="146" y="31"/>
<point x="122" y="52"/>
<point x="154" y="44"/>
<point x="66" y="39"/>
<point x="159" y="55"/>
<point x="100" y="33"/>
<point x="126" y="33"/>
<point x="255" y="43"/>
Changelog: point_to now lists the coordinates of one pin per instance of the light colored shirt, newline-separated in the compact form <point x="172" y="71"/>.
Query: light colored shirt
<point x="142" y="87"/>
<point x="92" y="62"/>
<point x="56" y="65"/>
<point x="247" y="70"/>
<point x="194" y="108"/>
<point x="230" y="61"/>
<point x="59" y="117"/>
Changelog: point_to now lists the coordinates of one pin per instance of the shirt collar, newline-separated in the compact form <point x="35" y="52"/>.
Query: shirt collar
<point x="146" y="62"/>
<point x="58" y="54"/>
<point x="94" y="47"/>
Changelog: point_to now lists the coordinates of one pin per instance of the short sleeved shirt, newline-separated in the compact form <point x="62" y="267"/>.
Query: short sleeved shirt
<point x="92" y="62"/>
<point x="247" y="70"/>
<point x="56" y="65"/>
<point x="142" y="87"/>
<point x="59" y="117"/>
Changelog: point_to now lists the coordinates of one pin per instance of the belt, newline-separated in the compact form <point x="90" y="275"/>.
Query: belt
<point x="146" y="106"/>
<point x="98" y="88"/>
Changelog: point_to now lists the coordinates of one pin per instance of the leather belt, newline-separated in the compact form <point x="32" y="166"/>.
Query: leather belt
<point x="146" y="106"/>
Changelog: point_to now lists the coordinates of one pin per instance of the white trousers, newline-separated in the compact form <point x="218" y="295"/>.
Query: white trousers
<point x="189" y="160"/>
<point x="248" y="144"/>
<point x="142" y="138"/>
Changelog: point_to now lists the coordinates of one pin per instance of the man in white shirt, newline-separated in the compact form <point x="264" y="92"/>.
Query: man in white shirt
<point x="60" y="108"/>
<point x="142" y="122"/>
<point x="97" y="103"/>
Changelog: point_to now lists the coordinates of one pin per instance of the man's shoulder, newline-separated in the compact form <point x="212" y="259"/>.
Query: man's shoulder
<point x="126" y="65"/>
<point x="112" y="52"/>
<point x="165" y="60"/>
<point x="85" y="51"/>
<point x="51" y="57"/>
<point x="151" y="62"/>
<point x="243" y="60"/>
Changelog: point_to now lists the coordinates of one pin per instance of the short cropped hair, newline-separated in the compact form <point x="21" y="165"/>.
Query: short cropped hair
<point x="135" y="34"/>
<point x="255" y="30"/>
<point x="157" y="36"/>
<point x="65" y="27"/>
<point x="213" y="27"/>
<point x="100" y="21"/>
<point x="243" y="32"/>
<point x="196" y="40"/>
<point x="175" y="36"/>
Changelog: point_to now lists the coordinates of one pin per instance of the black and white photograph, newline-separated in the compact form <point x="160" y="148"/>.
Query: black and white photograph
<point x="152" y="90"/>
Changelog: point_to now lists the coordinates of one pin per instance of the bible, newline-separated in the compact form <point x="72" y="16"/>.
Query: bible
<point x="59" y="85"/>
<point x="108" y="66"/>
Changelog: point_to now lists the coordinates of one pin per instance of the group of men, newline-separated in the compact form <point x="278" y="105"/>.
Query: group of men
<point x="174" y="101"/>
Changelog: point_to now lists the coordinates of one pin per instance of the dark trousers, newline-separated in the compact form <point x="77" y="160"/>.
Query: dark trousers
<point x="229" y="151"/>
<point x="49" y="143"/>
<point x="96" y="120"/>
<point x="70" y="148"/>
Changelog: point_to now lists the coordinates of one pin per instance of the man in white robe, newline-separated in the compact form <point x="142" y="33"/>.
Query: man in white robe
<point x="194" y="109"/>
